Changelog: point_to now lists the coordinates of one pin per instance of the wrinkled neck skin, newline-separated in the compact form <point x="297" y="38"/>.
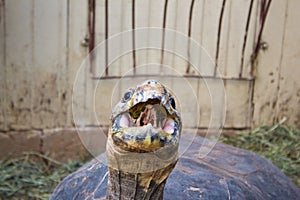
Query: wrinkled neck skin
<point x="146" y="186"/>
<point x="133" y="175"/>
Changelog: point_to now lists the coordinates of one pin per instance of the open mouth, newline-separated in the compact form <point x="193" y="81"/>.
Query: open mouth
<point x="146" y="126"/>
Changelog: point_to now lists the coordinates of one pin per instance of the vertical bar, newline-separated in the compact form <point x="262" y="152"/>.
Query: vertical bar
<point x="106" y="37"/>
<point x="262" y="8"/>
<point x="163" y="33"/>
<point x="245" y="38"/>
<point x="264" y="13"/>
<point x="91" y="24"/>
<point x="189" y="34"/>
<point x="91" y="32"/>
<point x="219" y="36"/>
<point x="133" y="36"/>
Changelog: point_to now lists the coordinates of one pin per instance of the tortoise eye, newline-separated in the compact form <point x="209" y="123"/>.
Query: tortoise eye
<point x="172" y="102"/>
<point x="127" y="96"/>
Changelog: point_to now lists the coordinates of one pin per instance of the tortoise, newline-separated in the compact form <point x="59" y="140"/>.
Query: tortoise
<point x="143" y="161"/>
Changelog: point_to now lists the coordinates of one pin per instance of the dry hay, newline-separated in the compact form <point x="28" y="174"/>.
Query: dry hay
<point x="34" y="176"/>
<point x="278" y="143"/>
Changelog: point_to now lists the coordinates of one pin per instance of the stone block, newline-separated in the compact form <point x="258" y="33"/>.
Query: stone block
<point x="15" y="144"/>
<point x="63" y="145"/>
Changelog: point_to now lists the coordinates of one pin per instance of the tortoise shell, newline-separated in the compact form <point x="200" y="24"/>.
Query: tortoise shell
<point x="225" y="173"/>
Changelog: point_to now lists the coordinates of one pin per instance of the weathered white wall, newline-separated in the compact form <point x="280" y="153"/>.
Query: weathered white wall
<point x="277" y="87"/>
<point x="40" y="45"/>
<point x="35" y="91"/>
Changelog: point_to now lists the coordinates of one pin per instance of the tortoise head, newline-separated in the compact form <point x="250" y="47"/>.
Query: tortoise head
<point x="146" y="119"/>
<point x="142" y="145"/>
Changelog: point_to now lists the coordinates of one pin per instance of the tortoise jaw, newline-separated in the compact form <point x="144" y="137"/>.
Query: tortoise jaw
<point x="147" y="129"/>
<point x="148" y="117"/>
<point x="145" y="138"/>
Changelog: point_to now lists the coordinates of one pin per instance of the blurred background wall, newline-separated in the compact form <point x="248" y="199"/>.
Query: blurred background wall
<point x="255" y="45"/>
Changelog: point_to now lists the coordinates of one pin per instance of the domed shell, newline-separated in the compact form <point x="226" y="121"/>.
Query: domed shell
<point x="225" y="173"/>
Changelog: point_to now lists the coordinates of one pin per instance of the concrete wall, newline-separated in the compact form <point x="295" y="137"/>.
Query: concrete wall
<point x="41" y="49"/>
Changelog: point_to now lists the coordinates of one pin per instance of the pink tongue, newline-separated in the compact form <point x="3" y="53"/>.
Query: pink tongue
<point x="124" y="121"/>
<point x="169" y="126"/>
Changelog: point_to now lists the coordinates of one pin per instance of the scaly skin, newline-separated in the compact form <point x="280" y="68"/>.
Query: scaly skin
<point x="143" y="142"/>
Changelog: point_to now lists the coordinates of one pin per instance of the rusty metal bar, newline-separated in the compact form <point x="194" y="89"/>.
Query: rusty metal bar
<point x="245" y="38"/>
<point x="189" y="35"/>
<point x="262" y="8"/>
<point x="219" y="36"/>
<point x="163" y="33"/>
<point x="91" y="24"/>
<point x="133" y="36"/>
<point x="106" y="37"/>
<point x="91" y="31"/>
<point x="263" y="16"/>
